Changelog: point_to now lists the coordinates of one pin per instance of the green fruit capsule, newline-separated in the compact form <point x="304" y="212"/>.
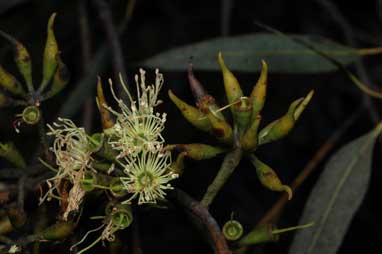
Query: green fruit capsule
<point x="60" y="79"/>
<point x="50" y="54"/>
<point x="260" y="234"/>
<point x="192" y="114"/>
<point x="232" y="230"/>
<point x="269" y="178"/>
<point x="199" y="151"/>
<point x="58" y="231"/>
<point x="31" y="115"/>
<point x="10" y="83"/>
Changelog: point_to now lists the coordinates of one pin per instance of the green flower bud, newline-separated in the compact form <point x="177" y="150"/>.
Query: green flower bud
<point x="88" y="182"/>
<point x="192" y="114"/>
<point x="50" y="54"/>
<point x="199" y="151"/>
<point x="31" y="115"/>
<point x="96" y="142"/>
<point x="106" y="119"/>
<point x="232" y="230"/>
<point x="232" y="87"/>
<point x="249" y="140"/>
<point x="282" y="126"/>
<point x="178" y="165"/>
<point x="269" y="178"/>
<point x="259" y="92"/>
<point x="243" y="114"/>
<point x="60" y="79"/>
<point x="260" y="234"/>
<point x="9" y="152"/>
<point x="220" y="128"/>
<point x="10" y="83"/>
<point x="116" y="188"/>
<point x="58" y="231"/>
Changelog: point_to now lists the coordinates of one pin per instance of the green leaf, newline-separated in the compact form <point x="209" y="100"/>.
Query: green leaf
<point x="244" y="53"/>
<point x="336" y="197"/>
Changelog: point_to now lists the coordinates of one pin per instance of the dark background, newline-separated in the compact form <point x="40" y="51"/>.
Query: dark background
<point x="160" y="25"/>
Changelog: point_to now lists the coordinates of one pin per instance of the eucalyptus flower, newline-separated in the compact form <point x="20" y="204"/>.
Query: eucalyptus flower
<point x="71" y="147"/>
<point x="137" y="126"/>
<point x="148" y="176"/>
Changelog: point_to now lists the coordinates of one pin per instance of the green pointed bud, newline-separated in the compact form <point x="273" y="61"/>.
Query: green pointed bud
<point x="243" y="111"/>
<point x="60" y="79"/>
<point x="106" y="119"/>
<point x="232" y="87"/>
<point x="249" y="140"/>
<point x="259" y="92"/>
<point x="121" y="216"/>
<point x="282" y="126"/>
<point x="117" y="189"/>
<point x="9" y="152"/>
<point x="58" y="231"/>
<point x="232" y="230"/>
<point x="177" y="166"/>
<point x="50" y="54"/>
<point x="269" y="178"/>
<point x="220" y="128"/>
<point x="260" y="234"/>
<point x="192" y="114"/>
<point x="199" y="151"/>
<point x="10" y="83"/>
<point x="31" y="115"/>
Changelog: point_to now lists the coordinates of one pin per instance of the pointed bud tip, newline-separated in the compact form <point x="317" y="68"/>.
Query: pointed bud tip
<point x="288" y="190"/>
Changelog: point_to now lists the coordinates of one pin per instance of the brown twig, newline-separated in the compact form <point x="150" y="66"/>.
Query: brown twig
<point x="205" y="217"/>
<point x="273" y="214"/>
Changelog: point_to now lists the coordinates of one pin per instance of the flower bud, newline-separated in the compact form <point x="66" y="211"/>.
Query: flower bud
<point x="10" y="83"/>
<point x="259" y="92"/>
<point x="178" y="165"/>
<point x="58" y="231"/>
<point x="60" y="79"/>
<point x="282" y="126"/>
<point x="260" y="234"/>
<point x="268" y="177"/>
<point x="243" y="111"/>
<point x="232" y="87"/>
<point x="232" y="230"/>
<point x="116" y="188"/>
<point x="220" y="128"/>
<point x="50" y="54"/>
<point x="192" y="114"/>
<point x="199" y="151"/>
<point x="9" y="152"/>
<point x="249" y="140"/>
<point x="106" y="119"/>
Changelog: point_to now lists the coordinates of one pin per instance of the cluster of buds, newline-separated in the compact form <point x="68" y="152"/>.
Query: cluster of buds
<point x="244" y="133"/>
<point x="54" y="74"/>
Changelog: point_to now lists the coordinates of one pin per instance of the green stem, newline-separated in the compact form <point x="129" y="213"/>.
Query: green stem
<point x="231" y="160"/>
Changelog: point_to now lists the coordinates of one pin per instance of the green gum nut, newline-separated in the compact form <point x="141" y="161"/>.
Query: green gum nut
<point x="116" y="188"/>
<point x="58" y="231"/>
<point x="106" y="119"/>
<point x="10" y="83"/>
<point x="177" y="166"/>
<point x="192" y="114"/>
<point x="96" y="142"/>
<point x="199" y="151"/>
<point x="60" y="79"/>
<point x="282" y="126"/>
<point x="261" y="234"/>
<point x="269" y="178"/>
<point x="50" y="54"/>
<point x="31" y="115"/>
<point x="121" y="216"/>
<point x="259" y="92"/>
<point x="9" y="152"/>
<point x="249" y="140"/>
<point x="232" y="87"/>
<point x="232" y="230"/>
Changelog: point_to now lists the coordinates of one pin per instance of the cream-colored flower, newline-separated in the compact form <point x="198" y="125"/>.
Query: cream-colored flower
<point x="137" y="126"/>
<point x="148" y="176"/>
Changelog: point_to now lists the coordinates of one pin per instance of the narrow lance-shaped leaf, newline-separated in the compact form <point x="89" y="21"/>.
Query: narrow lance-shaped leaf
<point x="336" y="197"/>
<point x="243" y="53"/>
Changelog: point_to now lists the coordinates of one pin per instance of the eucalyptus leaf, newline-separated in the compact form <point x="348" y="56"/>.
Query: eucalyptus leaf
<point x="336" y="197"/>
<point x="244" y="53"/>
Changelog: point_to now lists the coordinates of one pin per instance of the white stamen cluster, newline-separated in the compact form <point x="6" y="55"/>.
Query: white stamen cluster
<point x="71" y="147"/>
<point x="137" y="137"/>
